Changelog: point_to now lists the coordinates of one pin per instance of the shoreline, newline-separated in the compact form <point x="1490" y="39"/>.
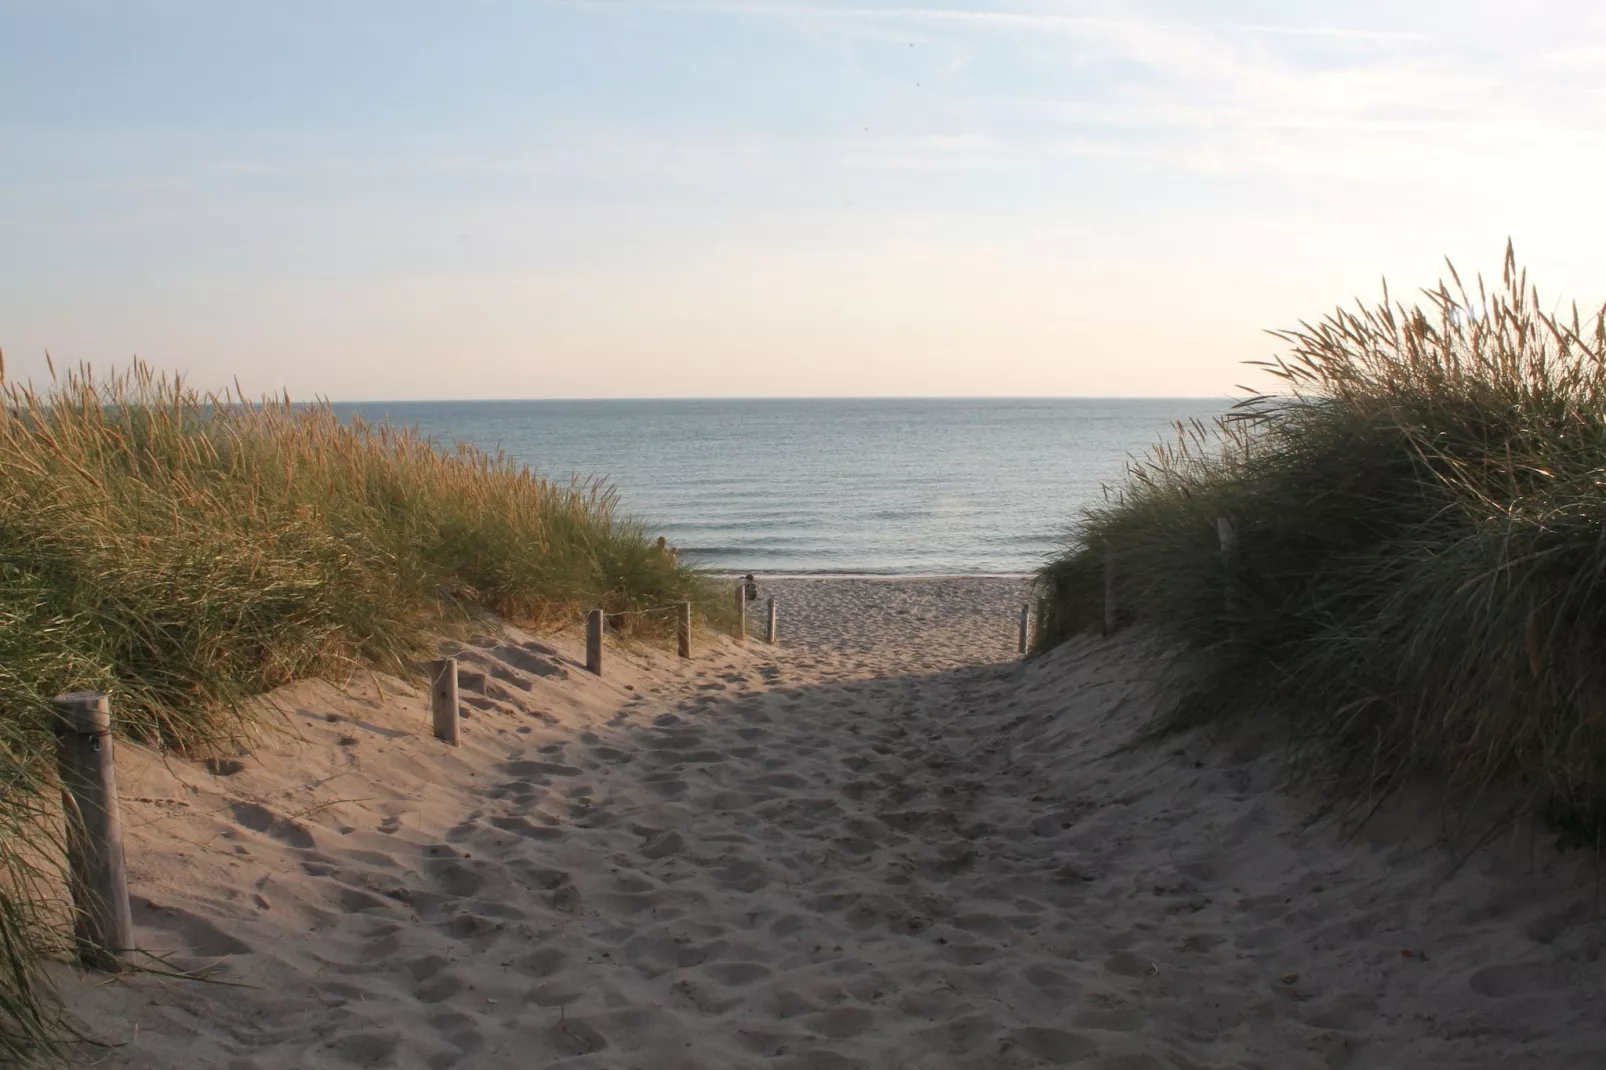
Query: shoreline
<point x="919" y="577"/>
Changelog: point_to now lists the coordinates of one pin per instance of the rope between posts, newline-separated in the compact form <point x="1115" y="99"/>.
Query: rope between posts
<point x="598" y="620"/>
<point x="646" y="612"/>
<point x="672" y="608"/>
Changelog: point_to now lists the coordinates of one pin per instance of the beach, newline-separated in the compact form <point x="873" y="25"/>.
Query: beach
<point x="840" y="628"/>
<point x="885" y="842"/>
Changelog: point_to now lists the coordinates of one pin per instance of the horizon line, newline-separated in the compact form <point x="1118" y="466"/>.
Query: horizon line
<point x="782" y="397"/>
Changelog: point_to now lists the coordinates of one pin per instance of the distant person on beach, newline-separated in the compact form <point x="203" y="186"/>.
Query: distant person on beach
<point x="667" y="550"/>
<point x="751" y="586"/>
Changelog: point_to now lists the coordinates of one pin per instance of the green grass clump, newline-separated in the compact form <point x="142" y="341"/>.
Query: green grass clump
<point x="1420" y="579"/>
<point x="184" y="551"/>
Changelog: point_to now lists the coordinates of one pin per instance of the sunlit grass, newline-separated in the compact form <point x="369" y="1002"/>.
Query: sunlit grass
<point x="185" y="551"/>
<point x="1421" y="576"/>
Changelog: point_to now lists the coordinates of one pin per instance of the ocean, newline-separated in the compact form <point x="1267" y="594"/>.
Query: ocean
<point x="830" y="486"/>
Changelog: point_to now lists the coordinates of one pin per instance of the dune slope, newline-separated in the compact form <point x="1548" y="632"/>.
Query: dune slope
<point x="808" y="857"/>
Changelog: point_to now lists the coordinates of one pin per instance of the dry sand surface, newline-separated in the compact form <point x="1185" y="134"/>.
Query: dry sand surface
<point x="835" y="628"/>
<point x="868" y="848"/>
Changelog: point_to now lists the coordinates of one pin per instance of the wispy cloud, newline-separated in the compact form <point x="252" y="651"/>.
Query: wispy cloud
<point x="1577" y="57"/>
<point x="972" y="17"/>
<point x="1401" y="102"/>
<point x="995" y="18"/>
<point x="1335" y="31"/>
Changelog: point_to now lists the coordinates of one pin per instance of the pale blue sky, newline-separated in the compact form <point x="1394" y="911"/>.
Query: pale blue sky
<point x="488" y="198"/>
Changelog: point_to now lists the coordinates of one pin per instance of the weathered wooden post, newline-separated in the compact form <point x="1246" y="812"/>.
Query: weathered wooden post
<point x="1227" y="536"/>
<point x="741" y="613"/>
<point x="1109" y="589"/>
<point x="1042" y="621"/>
<point x="769" y="628"/>
<point x="443" y="699"/>
<point x="683" y="630"/>
<point x="103" y="927"/>
<point x="1025" y="626"/>
<point x="594" y="642"/>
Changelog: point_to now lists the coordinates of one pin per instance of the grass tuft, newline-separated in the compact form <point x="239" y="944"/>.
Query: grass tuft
<point x="1420" y="581"/>
<point x="184" y="551"/>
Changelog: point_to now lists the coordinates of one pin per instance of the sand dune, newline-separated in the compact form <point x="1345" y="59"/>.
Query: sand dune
<point x="838" y="853"/>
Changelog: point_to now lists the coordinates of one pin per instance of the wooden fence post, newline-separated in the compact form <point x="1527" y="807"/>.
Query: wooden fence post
<point x="102" y="924"/>
<point x="1109" y="589"/>
<point x="443" y="699"/>
<point x="741" y="613"/>
<point x="769" y="628"/>
<point x="1042" y="621"/>
<point x="1025" y="627"/>
<point x="594" y="641"/>
<point x="683" y="630"/>
<point x="1227" y="535"/>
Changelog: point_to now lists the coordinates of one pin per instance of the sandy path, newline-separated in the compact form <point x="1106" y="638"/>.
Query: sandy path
<point x="786" y="858"/>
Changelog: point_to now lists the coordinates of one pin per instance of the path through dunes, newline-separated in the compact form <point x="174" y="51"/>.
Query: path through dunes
<point x="744" y="862"/>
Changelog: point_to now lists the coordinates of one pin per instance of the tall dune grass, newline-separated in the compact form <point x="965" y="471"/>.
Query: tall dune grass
<point x="184" y="551"/>
<point x="1421" y="576"/>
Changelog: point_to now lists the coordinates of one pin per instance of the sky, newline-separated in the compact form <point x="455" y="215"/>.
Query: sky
<point x="395" y="199"/>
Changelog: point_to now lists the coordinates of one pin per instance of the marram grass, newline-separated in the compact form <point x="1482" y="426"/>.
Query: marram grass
<point x="1420" y="583"/>
<point x="184" y="551"/>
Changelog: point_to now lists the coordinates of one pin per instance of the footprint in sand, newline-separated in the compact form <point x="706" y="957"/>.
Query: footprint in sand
<point x="688" y="993"/>
<point x="438" y="988"/>
<point x="364" y="1049"/>
<point x="349" y="900"/>
<point x="575" y="1037"/>
<point x="1518" y="978"/>
<point x="554" y="994"/>
<point x="1054" y="1045"/>
<point x="840" y="1023"/>
<point x="679" y="739"/>
<point x="522" y="827"/>
<point x="469" y="927"/>
<point x="540" y="963"/>
<point x="259" y="818"/>
<point x="530" y="770"/>
<point x="198" y="935"/>
<point x="459" y="1030"/>
<point x="566" y="898"/>
<point x="737" y="974"/>
<point x="663" y="845"/>
<point x="533" y="658"/>
<point x="455" y="878"/>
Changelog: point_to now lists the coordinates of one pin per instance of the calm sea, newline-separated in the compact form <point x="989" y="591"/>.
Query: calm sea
<point x="828" y="486"/>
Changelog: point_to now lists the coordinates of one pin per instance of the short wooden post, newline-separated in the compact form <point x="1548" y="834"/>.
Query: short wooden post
<point x="443" y="699"/>
<point x="683" y="630"/>
<point x="594" y="642"/>
<point x="1109" y="589"/>
<point x="1227" y="536"/>
<point x="103" y="927"/>
<point x="1025" y="626"/>
<point x="741" y="613"/>
<point x="1042" y="622"/>
<point x="769" y="628"/>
